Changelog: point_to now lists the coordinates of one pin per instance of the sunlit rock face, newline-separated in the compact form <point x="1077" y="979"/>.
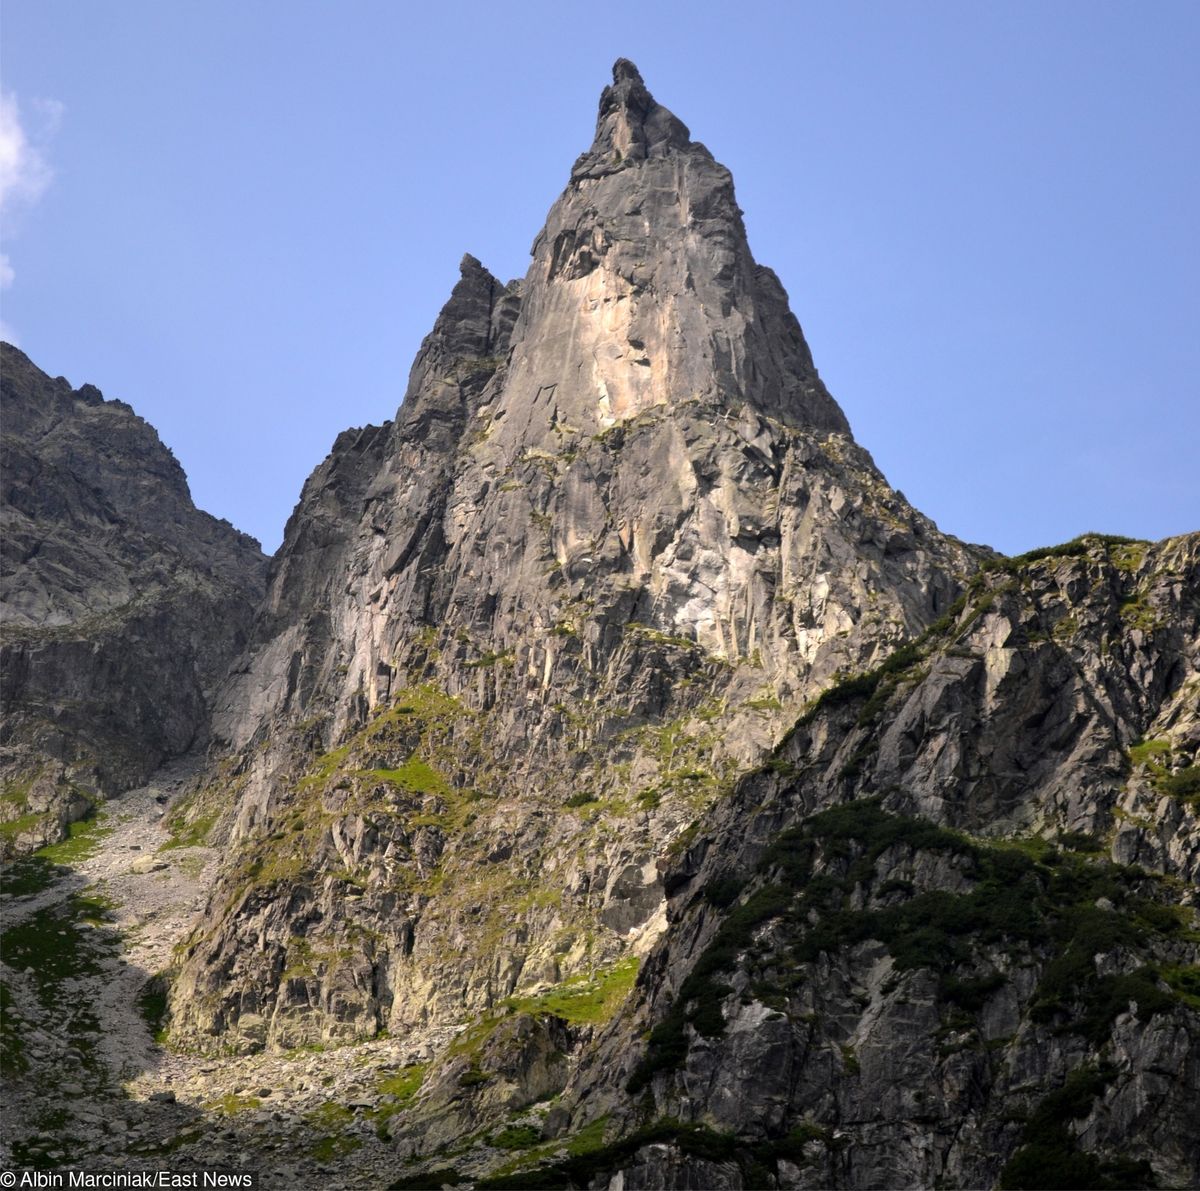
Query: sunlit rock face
<point x="624" y="775"/>
<point x="616" y="533"/>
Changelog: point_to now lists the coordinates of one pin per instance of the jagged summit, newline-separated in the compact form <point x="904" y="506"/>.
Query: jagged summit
<point x="631" y="126"/>
<point x="643" y="293"/>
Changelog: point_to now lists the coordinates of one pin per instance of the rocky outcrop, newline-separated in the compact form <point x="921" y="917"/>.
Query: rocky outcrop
<point x="122" y="603"/>
<point x="913" y="950"/>
<point x="518" y="638"/>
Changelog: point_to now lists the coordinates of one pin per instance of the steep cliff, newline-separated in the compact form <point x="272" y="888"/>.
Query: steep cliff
<point x="519" y="638"/>
<point x="122" y="604"/>
<point x="947" y="935"/>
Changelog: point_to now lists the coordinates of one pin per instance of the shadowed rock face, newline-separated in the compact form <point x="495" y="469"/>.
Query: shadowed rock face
<point x="867" y="983"/>
<point x="122" y="603"/>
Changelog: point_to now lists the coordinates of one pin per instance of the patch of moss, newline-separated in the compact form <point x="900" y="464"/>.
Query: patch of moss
<point x="583" y="1000"/>
<point x="83" y="842"/>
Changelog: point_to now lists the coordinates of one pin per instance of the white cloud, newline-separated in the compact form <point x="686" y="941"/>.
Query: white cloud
<point x="24" y="174"/>
<point x="24" y="171"/>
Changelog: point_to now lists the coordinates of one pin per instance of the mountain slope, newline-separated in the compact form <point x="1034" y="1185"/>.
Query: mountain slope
<point x="122" y="603"/>
<point x="947" y="936"/>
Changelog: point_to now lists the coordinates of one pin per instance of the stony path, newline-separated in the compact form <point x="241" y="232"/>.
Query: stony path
<point x="86" y="1084"/>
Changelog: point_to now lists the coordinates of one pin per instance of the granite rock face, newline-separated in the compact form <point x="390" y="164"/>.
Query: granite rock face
<point x="122" y="603"/>
<point x="946" y="936"/>
<point x="518" y="638"/>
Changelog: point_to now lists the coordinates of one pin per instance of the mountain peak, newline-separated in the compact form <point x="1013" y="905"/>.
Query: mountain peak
<point x="631" y="126"/>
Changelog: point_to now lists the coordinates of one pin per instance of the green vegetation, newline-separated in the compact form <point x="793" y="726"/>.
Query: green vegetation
<point x="231" y="1104"/>
<point x="516" y="1137"/>
<point x="1075" y="548"/>
<point x="185" y="833"/>
<point x="83" y="842"/>
<point x="1154" y="758"/>
<point x="580" y="798"/>
<point x="583" y="1000"/>
<point x="404" y="1085"/>
<point x="1149" y="752"/>
<point x="874" y="686"/>
<point x="589" y="1160"/>
<point x="26" y="875"/>
<point x="56" y="944"/>
<point x="326" y="1149"/>
<point x="589" y="1138"/>
<point x="329" y="1115"/>
<point x="1184" y="785"/>
<point x="20" y="825"/>
<point x="1027" y="895"/>
<point x="654" y="636"/>
<point x="1050" y="1157"/>
<point x="1185" y="982"/>
<point x="415" y="776"/>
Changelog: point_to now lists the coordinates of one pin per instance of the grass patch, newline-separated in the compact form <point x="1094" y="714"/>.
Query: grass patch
<point x="1149" y="752"/>
<point x="516" y="1137"/>
<point x="19" y="826"/>
<point x="404" y="1085"/>
<point x="583" y="1000"/>
<point x="82" y="843"/>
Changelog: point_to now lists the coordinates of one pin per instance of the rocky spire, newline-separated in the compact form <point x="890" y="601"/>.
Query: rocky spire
<point x="643" y="293"/>
<point x="630" y="127"/>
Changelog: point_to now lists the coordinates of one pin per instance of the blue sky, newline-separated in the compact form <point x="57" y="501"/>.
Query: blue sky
<point x="242" y="219"/>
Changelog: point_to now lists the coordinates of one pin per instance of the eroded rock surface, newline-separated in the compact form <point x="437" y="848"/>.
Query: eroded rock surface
<point x="517" y="639"/>
<point x="122" y="604"/>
